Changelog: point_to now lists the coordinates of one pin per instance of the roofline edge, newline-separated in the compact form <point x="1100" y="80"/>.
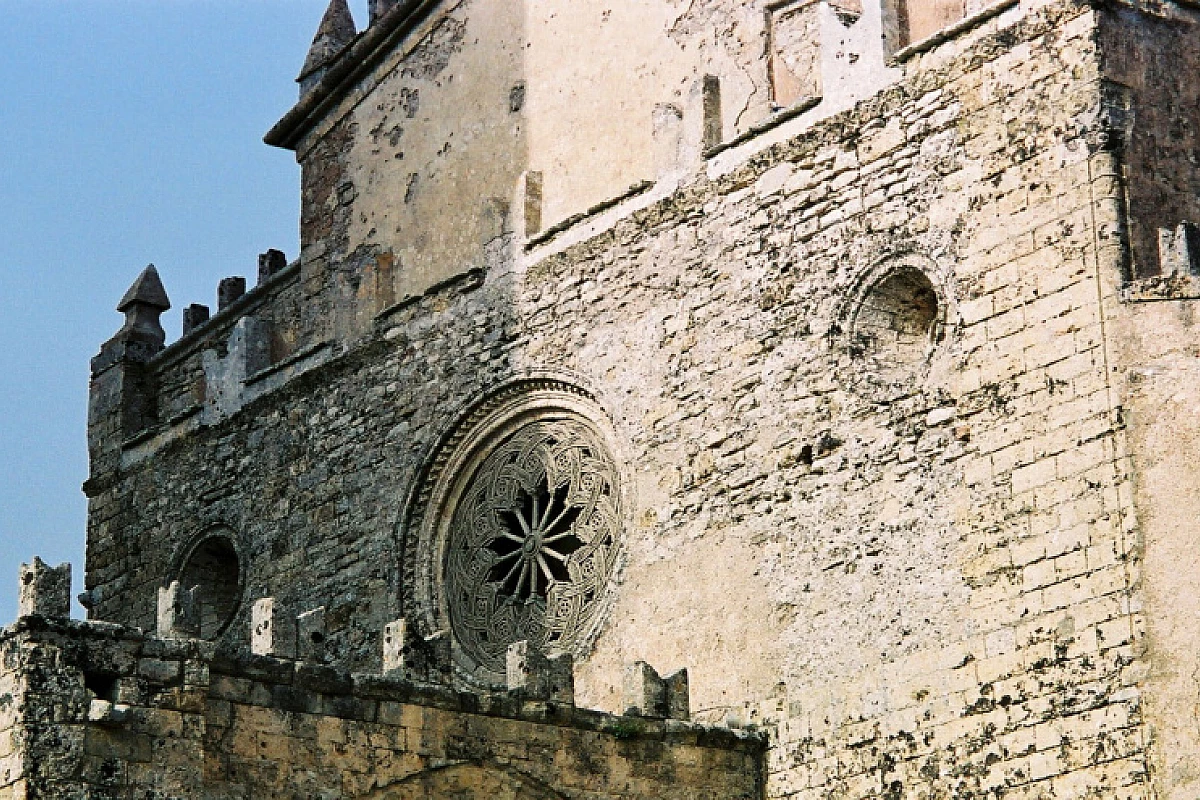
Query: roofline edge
<point x="345" y="70"/>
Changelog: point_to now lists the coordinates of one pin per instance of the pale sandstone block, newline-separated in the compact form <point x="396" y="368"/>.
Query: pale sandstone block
<point x="45" y="591"/>
<point x="1036" y="474"/>
<point x="178" y="612"/>
<point x="272" y="631"/>
<point x="408" y="655"/>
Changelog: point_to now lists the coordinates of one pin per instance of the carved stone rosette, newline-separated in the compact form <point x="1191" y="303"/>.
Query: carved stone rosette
<point x="532" y="542"/>
<point x="521" y="530"/>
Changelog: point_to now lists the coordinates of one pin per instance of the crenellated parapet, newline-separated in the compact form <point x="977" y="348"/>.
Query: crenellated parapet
<point x="142" y="388"/>
<point x="174" y="715"/>
<point x="45" y="591"/>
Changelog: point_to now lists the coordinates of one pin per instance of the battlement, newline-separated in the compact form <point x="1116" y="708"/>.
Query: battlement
<point x="184" y="717"/>
<point x="290" y="323"/>
<point x="294" y="320"/>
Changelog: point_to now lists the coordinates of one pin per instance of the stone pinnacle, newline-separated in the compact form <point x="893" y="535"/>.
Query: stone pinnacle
<point x="336" y="31"/>
<point x="147" y="290"/>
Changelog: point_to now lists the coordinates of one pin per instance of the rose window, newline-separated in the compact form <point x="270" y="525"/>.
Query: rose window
<point x="531" y="543"/>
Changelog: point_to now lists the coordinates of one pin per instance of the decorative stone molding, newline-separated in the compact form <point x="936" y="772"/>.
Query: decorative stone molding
<point x="519" y="535"/>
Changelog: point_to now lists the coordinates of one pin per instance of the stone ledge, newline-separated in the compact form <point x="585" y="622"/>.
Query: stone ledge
<point x="964" y="25"/>
<point x="295" y="358"/>
<point x="690" y="196"/>
<point x="466" y="281"/>
<point x="223" y="320"/>
<point x="316" y="689"/>
<point x="1161" y="288"/>
<point x="639" y="188"/>
<point x="773" y="121"/>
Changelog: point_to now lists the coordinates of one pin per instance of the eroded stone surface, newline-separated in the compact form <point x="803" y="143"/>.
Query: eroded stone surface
<point x="204" y="725"/>
<point x="895" y="388"/>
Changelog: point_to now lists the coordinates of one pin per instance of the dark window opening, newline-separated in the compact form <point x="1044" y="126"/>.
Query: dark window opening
<point x="538" y="541"/>
<point x="214" y="570"/>
<point x="103" y="685"/>
<point x="898" y="319"/>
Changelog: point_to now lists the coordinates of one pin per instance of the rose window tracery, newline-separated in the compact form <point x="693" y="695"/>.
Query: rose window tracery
<point x="532" y="541"/>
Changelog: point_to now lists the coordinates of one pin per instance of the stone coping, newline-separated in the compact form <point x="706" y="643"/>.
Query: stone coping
<point x="224" y="319"/>
<point x="964" y="25"/>
<point x="346" y="69"/>
<point x="317" y="689"/>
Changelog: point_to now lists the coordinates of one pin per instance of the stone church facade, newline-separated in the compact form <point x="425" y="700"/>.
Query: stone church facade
<point x="706" y="399"/>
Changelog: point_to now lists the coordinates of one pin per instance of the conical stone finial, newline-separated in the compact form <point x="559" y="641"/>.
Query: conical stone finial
<point x="147" y="290"/>
<point x="142" y="335"/>
<point x="336" y="31"/>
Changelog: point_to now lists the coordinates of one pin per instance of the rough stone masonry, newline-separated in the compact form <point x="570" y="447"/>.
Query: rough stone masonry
<point x="808" y="387"/>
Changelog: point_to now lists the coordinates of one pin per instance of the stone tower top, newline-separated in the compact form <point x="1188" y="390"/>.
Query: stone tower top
<point x="337" y="30"/>
<point x="147" y="290"/>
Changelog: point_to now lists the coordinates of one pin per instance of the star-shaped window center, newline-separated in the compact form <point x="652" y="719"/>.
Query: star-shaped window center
<point x="536" y="541"/>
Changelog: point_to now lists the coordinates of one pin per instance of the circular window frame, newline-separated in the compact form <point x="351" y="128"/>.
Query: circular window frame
<point x="450" y="472"/>
<point x="931" y="322"/>
<point x="238" y="597"/>
<point x="911" y="371"/>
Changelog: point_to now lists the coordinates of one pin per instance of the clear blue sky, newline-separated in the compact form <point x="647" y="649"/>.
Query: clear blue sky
<point x="133" y="135"/>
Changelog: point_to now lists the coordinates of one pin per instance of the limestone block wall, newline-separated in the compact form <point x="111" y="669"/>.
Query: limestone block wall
<point x="960" y="543"/>
<point x="914" y="559"/>
<point x="408" y="179"/>
<point x="1157" y="365"/>
<point x="1154" y="363"/>
<point x="109" y="712"/>
<point x="471" y="118"/>
<point x="12" y="693"/>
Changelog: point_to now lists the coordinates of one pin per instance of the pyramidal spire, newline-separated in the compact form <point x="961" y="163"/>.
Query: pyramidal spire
<point x="142" y="336"/>
<point x="147" y="290"/>
<point x="336" y="31"/>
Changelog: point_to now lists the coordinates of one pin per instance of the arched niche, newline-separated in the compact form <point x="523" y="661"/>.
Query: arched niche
<point x="212" y="567"/>
<point x="898" y="319"/>
<point x="892" y="325"/>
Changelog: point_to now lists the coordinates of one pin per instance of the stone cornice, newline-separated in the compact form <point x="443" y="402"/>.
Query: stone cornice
<point x="346" y="70"/>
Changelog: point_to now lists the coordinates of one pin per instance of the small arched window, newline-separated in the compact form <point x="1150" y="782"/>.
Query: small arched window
<point x="898" y="320"/>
